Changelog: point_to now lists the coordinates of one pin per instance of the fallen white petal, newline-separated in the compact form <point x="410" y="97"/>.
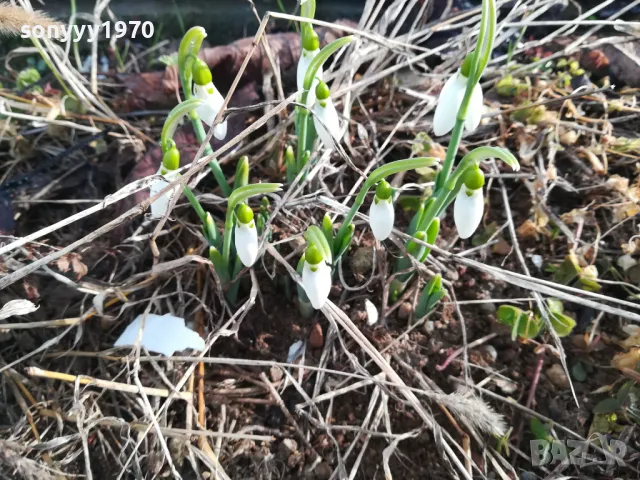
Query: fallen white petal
<point x="467" y="211"/>
<point x="372" y="312"/>
<point x="381" y="218"/>
<point x="165" y="334"/>
<point x="17" y="307"/>
<point x="295" y="350"/>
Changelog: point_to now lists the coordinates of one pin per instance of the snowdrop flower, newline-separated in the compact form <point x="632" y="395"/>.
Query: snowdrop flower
<point x="316" y="277"/>
<point x="381" y="214"/>
<point x="469" y="204"/>
<point x="246" y="235"/>
<point x="326" y="118"/>
<point x="310" y="48"/>
<point x="168" y="171"/>
<point x="450" y="100"/>
<point x="204" y="89"/>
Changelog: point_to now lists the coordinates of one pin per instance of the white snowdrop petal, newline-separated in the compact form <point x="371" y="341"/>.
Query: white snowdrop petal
<point x="467" y="211"/>
<point x="246" y="240"/>
<point x="220" y="130"/>
<point x="295" y="350"/>
<point x="161" y="205"/>
<point x="163" y="334"/>
<point x="327" y="123"/>
<point x="317" y="285"/>
<point x="449" y="103"/>
<point x="209" y="111"/>
<point x="476" y="105"/>
<point x="381" y="218"/>
<point x="303" y="65"/>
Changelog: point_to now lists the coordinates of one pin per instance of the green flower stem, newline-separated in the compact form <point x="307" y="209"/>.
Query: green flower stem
<point x="174" y="118"/>
<point x="481" y="57"/>
<point x="196" y="205"/>
<point x="304" y="118"/>
<point x="319" y="60"/>
<point x="373" y="178"/>
<point x="238" y="196"/>
<point x="188" y="51"/>
<point x="315" y="236"/>
<point x="308" y="9"/>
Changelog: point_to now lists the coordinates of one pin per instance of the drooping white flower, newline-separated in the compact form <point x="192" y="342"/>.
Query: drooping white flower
<point x="326" y="118"/>
<point x="209" y="111"/>
<point x="382" y="214"/>
<point x="205" y="90"/>
<point x="161" y="205"/>
<point x="468" y="210"/>
<point x="303" y="65"/>
<point x="246" y="236"/>
<point x="167" y="172"/>
<point x="316" y="277"/>
<point x="310" y="48"/>
<point x="449" y="103"/>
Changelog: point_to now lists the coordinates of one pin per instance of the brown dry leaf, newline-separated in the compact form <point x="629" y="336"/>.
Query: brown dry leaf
<point x="627" y="359"/>
<point x="626" y="210"/>
<point x="79" y="268"/>
<point x="316" y="338"/>
<point x="63" y="264"/>
<point x="618" y="183"/>
<point x="527" y="231"/>
<point x="595" y="162"/>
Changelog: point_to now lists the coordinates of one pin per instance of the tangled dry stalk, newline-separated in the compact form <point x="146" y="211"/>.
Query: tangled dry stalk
<point x="74" y="406"/>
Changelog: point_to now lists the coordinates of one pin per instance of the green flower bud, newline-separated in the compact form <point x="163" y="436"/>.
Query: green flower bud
<point x="384" y="190"/>
<point x="310" y="40"/>
<point x="322" y="91"/>
<point x="201" y="73"/>
<point x="244" y="213"/>
<point x="465" y="68"/>
<point x="312" y="255"/>
<point x="473" y="178"/>
<point x="171" y="159"/>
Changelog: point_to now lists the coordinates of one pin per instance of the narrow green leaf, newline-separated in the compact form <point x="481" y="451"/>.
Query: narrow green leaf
<point x="608" y="405"/>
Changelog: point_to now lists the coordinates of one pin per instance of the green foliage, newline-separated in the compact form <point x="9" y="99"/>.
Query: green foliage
<point x="430" y="296"/>
<point x="528" y="325"/>
<point x="28" y="77"/>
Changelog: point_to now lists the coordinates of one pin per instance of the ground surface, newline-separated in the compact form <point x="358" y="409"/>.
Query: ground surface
<point x="244" y="407"/>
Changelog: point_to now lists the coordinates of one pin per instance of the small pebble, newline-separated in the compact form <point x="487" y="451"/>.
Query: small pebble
<point x="488" y="307"/>
<point x="429" y="326"/>
<point x="491" y="352"/>
<point x="556" y="375"/>
<point x="316" y="337"/>
<point x="404" y="311"/>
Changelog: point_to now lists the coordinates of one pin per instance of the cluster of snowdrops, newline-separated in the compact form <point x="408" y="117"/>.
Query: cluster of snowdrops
<point x="318" y="126"/>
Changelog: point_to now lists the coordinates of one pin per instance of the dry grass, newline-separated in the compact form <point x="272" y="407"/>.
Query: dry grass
<point x="73" y="406"/>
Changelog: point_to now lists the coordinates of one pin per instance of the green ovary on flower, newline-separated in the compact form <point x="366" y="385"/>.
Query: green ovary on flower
<point x="244" y="213"/>
<point x="171" y="159"/>
<point x="201" y="73"/>
<point x="473" y="178"/>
